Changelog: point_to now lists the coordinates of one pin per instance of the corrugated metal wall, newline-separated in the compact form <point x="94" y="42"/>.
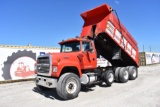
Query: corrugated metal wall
<point x="142" y="59"/>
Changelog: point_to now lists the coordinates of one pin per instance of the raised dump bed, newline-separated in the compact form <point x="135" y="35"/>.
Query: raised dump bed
<point x="112" y="39"/>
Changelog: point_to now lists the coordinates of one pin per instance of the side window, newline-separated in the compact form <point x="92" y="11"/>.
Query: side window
<point x="85" y="46"/>
<point x="76" y="48"/>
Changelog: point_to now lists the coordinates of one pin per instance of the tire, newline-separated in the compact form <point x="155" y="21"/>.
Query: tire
<point x="108" y="77"/>
<point x="41" y="88"/>
<point x="117" y="74"/>
<point x="128" y="67"/>
<point x="68" y="86"/>
<point x="7" y="64"/>
<point x="133" y="73"/>
<point x="123" y="75"/>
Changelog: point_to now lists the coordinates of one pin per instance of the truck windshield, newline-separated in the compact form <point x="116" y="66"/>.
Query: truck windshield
<point x="70" y="46"/>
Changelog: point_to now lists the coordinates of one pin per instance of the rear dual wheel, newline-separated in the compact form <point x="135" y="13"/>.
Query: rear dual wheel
<point x="117" y="74"/>
<point x="123" y="74"/>
<point x="133" y="73"/>
<point x="108" y="77"/>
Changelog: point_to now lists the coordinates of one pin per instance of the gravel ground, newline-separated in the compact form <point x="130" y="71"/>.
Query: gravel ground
<point x="142" y="92"/>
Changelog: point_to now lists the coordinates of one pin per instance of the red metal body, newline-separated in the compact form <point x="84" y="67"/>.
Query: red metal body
<point x="107" y="22"/>
<point x="81" y="60"/>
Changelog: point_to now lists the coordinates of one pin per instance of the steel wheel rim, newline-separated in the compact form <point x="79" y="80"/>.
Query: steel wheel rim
<point x="110" y="77"/>
<point x="134" y="73"/>
<point x="71" y="86"/>
<point x="126" y="75"/>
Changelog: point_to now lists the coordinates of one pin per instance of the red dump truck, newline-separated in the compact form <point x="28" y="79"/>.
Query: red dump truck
<point x="76" y="64"/>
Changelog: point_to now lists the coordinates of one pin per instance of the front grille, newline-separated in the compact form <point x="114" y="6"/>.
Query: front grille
<point x="43" y="64"/>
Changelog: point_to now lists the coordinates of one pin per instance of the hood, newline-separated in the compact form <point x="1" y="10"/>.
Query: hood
<point x="70" y="56"/>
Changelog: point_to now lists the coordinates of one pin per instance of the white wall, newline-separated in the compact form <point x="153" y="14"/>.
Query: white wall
<point x="19" y="63"/>
<point x="152" y="58"/>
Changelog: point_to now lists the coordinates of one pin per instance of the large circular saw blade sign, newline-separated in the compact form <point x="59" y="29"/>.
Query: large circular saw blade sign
<point x="22" y="68"/>
<point x="19" y="65"/>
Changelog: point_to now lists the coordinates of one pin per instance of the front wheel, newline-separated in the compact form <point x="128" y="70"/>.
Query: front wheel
<point x="68" y="86"/>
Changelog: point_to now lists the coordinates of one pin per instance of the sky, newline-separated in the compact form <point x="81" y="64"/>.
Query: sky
<point x="47" y="22"/>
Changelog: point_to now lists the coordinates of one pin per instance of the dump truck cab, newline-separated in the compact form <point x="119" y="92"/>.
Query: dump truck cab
<point x="84" y="49"/>
<point x="76" y="55"/>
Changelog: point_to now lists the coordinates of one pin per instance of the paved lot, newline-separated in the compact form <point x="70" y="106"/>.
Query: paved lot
<point x="142" y="92"/>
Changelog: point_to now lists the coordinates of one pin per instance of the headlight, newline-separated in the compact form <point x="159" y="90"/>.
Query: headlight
<point x="54" y="68"/>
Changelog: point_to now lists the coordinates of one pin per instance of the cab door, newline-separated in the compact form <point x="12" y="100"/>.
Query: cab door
<point x="88" y="56"/>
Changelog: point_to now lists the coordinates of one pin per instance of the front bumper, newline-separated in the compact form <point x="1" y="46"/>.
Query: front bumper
<point x="46" y="82"/>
